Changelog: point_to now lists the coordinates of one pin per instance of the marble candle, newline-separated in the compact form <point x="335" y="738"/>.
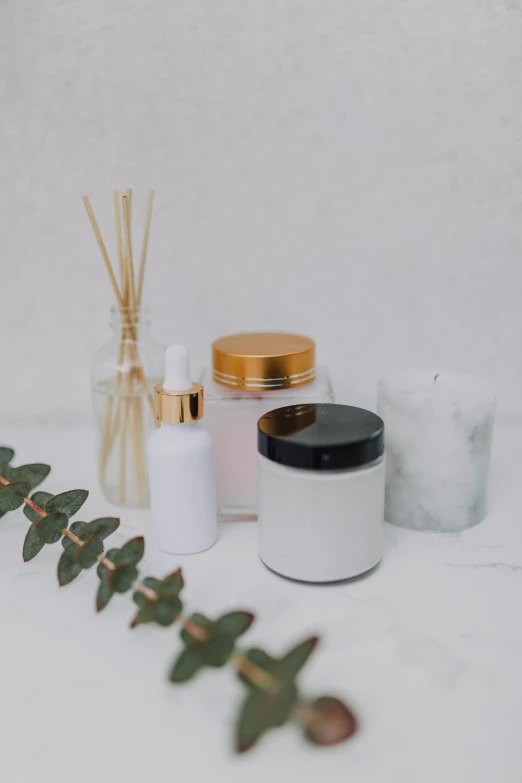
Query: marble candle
<point x="438" y="429"/>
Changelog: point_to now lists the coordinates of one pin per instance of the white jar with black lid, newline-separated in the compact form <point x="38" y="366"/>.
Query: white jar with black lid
<point x="321" y="491"/>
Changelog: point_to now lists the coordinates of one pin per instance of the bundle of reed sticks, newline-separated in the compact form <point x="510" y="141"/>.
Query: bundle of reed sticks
<point x="123" y="422"/>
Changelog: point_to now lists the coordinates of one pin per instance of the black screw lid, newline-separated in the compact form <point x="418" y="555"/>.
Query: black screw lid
<point x="321" y="436"/>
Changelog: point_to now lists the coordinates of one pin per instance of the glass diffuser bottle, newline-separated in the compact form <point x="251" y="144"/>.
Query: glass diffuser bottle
<point x="124" y="372"/>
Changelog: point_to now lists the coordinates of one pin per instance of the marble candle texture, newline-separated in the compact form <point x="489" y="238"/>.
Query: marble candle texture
<point x="439" y="428"/>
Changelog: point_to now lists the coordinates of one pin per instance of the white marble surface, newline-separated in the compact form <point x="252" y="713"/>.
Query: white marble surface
<point x="427" y="649"/>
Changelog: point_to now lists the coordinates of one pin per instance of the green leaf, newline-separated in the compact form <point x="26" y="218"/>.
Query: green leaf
<point x="34" y="474"/>
<point x="40" y="499"/>
<point x="50" y="527"/>
<point x="131" y="552"/>
<point x="262" y="711"/>
<point x="123" y="578"/>
<point x="6" y="455"/>
<point x="234" y="623"/>
<point x="33" y="544"/>
<point x="145" y="614"/>
<point x="170" y="585"/>
<point x="77" y="529"/>
<point x="104" y="594"/>
<point x="87" y="555"/>
<point x="202" y="622"/>
<point x="331" y="722"/>
<point x="142" y="616"/>
<point x="217" y="652"/>
<point x="102" y="527"/>
<point x="152" y="583"/>
<point x="12" y="495"/>
<point x="167" y="610"/>
<point x="186" y="665"/>
<point x="68" y="567"/>
<point x="68" y="502"/>
<point x="294" y="660"/>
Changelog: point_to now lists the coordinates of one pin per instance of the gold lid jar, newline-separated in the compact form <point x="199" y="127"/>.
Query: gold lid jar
<point x="263" y="360"/>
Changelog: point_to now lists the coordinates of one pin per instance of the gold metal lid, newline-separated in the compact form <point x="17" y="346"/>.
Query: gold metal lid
<point x="178" y="407"/>
<point x="263" y="360"/>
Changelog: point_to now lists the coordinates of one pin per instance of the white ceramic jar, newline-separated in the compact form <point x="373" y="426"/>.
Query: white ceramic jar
<point x="321" y="491"/>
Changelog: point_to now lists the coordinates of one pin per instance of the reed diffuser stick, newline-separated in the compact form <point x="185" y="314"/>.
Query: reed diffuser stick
<point x="103" y="250"/>
<point x="145" y="244"/>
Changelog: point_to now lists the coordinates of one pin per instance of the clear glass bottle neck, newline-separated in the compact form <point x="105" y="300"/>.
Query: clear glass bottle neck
<point x="130" y="318"/>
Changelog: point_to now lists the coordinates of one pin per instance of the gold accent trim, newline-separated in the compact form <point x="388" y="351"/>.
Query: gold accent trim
<point x="263" y="360"/>
<point x="178" y="407"/>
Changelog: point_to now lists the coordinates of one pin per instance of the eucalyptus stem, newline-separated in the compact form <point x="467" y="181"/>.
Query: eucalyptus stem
<point x="272" y="697"/>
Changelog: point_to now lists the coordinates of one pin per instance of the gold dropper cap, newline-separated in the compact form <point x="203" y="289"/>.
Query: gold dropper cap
<point x="173" y="406"/>
<point x="176" y="407"/>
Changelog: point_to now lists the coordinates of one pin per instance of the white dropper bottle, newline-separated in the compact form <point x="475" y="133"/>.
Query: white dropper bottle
<point x="181" y="465"/>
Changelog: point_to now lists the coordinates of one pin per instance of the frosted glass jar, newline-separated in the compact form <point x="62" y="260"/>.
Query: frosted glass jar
<point x="251" y="374"/>
<point x="321" y="491"/>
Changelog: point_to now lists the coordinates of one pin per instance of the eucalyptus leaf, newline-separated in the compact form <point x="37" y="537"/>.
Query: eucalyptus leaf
<point x="262" y="711"/>
<point x="12" y="496"/>
<point x="171" y="584"/>
<point x="102" y="527"/>
<point x="68" y="502"/>
<point x="152" y="583"/>
<point x="217" y="652"/>
<point x="104" y="594"/>
<point x="131" y="552"/>
<point x="145" y="614"/>
<point x="167" y="610"/>
<point x="6" y="455"/>
<point x="40" y="499"/>
<point x="234" y="623"/>
<point x="33" y="544"/>
<point x="123" y="578"/>
<point x="87" y="555"/>
<point x="294" y="660"/>
<point x="51" y="526"/>
<point x="34" y="473"/>
<point x="68" y="567"/>
<point x="186" y="665"/>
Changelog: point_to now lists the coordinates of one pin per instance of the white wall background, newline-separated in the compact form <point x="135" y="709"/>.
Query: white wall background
<point x="350" y="169"/>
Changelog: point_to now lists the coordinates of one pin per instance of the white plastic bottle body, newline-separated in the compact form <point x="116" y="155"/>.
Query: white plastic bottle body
<point x="182" y="488"/>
